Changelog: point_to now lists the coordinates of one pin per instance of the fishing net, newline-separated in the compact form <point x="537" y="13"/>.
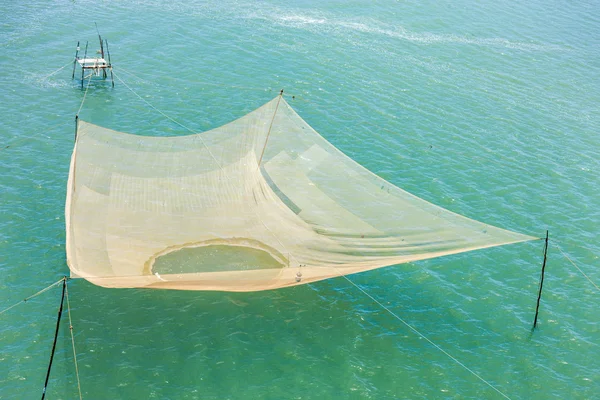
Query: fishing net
<point x="260" y="203"/>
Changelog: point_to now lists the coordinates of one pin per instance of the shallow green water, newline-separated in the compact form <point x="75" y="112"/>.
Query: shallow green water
<point x="488" y="109"/>
<point x="214" y="258"/>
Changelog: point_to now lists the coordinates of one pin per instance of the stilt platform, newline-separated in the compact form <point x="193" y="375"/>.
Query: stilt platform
<point x="98" y="66"/>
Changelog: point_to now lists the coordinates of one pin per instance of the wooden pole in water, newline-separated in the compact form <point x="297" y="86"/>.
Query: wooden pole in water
<point x="104" y="69"/>
<point x="62" y="299"/>
<point x="537" y="307"/>
<point x="83" y="65"/>
<point x="75" y="60"/>
<point x="112" y="78"/>
<point x="100" y="39"/>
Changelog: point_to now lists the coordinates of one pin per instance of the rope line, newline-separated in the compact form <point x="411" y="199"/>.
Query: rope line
<point x="233" y="86"/>
<point x="574" y="245"/>
<point x="18" y="139"/>
<point x="73" y="342"/>
<point x="60" y="309"/>
<point x="575" y="265"/>
<point x="171" y="119"/>
<point x="270" y="127"/>
<point x="32" y="296"/>
<point x="151" y="106"/>
<point x="58" y="70"/>
<point x="426" y="338"/>
<point x="155" y="78"/>
<point x="133" y="75"/>
<point x="84" y="95"/>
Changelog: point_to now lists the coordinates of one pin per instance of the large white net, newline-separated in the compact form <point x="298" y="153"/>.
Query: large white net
<point x="221" y="210"/>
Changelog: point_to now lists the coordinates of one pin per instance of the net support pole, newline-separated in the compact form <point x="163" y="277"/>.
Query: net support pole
<point x="112" y="77"/>
<point x="83" y="65"/>
<point x="537" y="307"/>
<point x="75" y="60"/>
<point x="270" y="126"/>
<point x="62" y="300"/>
<point x="76" y="126"/>
<point x="104" y="75"/>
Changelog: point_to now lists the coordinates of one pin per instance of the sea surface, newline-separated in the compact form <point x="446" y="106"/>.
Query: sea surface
<point x="487" y="108"/>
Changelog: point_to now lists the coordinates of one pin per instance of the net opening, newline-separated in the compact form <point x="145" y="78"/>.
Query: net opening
<point x="216" y="256"/>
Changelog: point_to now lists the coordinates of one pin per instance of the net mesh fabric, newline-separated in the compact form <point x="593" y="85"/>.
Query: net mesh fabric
<point x="220" y="210"/>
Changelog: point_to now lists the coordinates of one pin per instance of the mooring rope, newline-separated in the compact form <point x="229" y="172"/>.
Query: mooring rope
<point x="19" y="139"/>
<point x="62" y="299"/>
<point x="84" y="95"/>
<point x="155" y="78"/>
<point x="575" y="265"/>
<point x="73" y="342"/>
<point x="65" y="293"/>
<point x="32" y="296"/>
<point x="58" y="70"/>
<point x="151" y="106"/>
<point x="426" y="338"/>
<point x="133" y="75"/>
<point x="574" y="245"/>
<point x="168" y="117"/>
<point x="495" y="155"/>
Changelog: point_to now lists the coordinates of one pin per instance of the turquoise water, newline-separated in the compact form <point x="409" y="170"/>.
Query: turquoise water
<point x="488" y="109"/>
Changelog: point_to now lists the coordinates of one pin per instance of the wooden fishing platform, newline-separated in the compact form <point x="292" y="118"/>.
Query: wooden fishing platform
<point x="94" y="66"/>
